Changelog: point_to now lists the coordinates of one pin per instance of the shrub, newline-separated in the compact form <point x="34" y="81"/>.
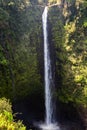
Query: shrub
<point x="6" y="118"/>
<point x="8" y="124"/>
<point x="5" y="105"/>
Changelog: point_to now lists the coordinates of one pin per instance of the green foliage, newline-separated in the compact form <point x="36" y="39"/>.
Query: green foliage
<point x="85" y="23"/>
<point x="20" y="25"/>
<point x="8" y="115"/>
<point x="5" y="105"/>
<point x="21" y="48"/>
<point x="74" y="80"/>
<point x="6" y="118"/>
<point x="4" y="16"/>
<point x="6" y="124"/>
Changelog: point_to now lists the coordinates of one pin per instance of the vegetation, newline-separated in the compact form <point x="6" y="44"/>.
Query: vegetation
<point x="75" y="81"/>
<point x="21" y="49"/>
<point x="69" y="40"/>
<point x="6" y="118"/>
<point x="20" y="26"/>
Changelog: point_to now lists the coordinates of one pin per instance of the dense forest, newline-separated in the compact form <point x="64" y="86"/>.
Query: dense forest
<point x="21" y="54"/>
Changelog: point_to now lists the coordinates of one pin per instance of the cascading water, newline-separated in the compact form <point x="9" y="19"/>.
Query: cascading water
<point x="50" y="118"/>
<point x="47" y="72"/>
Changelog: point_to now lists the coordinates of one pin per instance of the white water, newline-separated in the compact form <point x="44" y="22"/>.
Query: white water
<point x="49" y="106"/>
<point x="47" y="71"/>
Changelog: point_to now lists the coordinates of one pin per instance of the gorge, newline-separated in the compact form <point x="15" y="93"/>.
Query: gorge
<point x="27" y="64"/>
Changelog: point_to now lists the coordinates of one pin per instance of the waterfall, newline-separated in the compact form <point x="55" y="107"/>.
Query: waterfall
<point x="47" y="72"/>
<point x="50" y="123"/>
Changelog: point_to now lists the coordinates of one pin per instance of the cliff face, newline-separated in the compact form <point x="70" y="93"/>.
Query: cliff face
<point x="69" y="30"/>
<point x="67" y="36"/>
